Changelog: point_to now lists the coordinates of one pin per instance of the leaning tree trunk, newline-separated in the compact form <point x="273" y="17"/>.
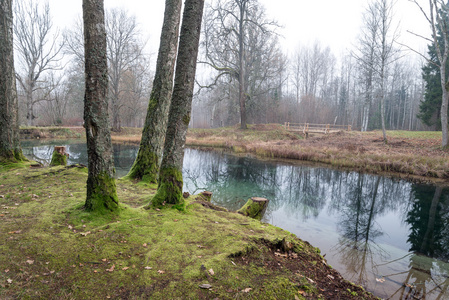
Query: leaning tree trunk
<point x="101" y="189"/>
<point x="170" y="176"/>
<point x="146" y="165"/>
<point x="9" y="136"/>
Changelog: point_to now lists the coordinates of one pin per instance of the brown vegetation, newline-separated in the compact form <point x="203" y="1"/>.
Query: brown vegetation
<point x="411" y="154"/>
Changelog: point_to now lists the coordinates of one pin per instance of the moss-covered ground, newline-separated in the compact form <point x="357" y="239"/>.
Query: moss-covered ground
<point x="50" y="248"/>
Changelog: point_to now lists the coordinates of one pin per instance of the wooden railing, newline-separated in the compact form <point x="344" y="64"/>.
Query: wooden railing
<point x="307" y="128"/>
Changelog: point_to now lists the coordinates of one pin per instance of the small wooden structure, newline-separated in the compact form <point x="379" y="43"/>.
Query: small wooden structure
<point x="307" y="128"/>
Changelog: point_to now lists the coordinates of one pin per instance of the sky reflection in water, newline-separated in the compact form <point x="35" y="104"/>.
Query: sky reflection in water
<point x="389" y="235"/>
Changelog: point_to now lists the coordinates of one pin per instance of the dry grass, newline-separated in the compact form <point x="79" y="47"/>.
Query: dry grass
<point x="407" y="153"/>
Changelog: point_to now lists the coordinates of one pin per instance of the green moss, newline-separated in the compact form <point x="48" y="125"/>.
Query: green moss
<point x="72" y="249"/>
<point x="186" y="119"/>
<point x="58" y="159"/>
<point x="145" y="167"/>
<point x="252" y="209"/>
<point x="170" y="189"/>
<point x="101" y="194"/>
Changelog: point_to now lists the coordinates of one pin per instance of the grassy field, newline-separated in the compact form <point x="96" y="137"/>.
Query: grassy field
<point x="52" y="249"/>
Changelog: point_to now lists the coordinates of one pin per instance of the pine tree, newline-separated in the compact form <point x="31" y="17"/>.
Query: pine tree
<point x="430" y="107"/>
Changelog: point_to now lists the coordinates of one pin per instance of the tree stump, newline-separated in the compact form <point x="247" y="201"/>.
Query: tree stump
<point x="207" y="195"/>
<point x="254" y="208"/>
<point x="59" y="157"/>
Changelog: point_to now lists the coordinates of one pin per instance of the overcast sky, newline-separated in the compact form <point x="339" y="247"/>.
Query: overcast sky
<point x="334" y="23"/>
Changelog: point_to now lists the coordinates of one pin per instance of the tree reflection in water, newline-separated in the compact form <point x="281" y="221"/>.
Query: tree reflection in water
<point x="361" y="222"/>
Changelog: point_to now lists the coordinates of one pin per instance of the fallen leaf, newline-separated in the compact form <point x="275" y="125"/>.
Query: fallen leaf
<point x="7" y="270"/>
<point x="111" y="269"/>
<point x="381" y="280"/>
<point x="199" y="246"/>
<point x="205" y="286"/>
<point x="104" y="259"/>
<point x="9" y="280"/>
<point x="330" y="277"/>
<point x="247" y="290"/>
<point x="70" y="227"/>
<point x="148" y="268"/>
<point x="51" y="272"/>
<point x="125" y="268"/>
<point x="145" y="244"/>
<point x="161" y="272"/>
<point x="95" y="271"/>
<point x="211" y="272"/>
<point x="85" y="233"/>
<point x="30" y="262"/>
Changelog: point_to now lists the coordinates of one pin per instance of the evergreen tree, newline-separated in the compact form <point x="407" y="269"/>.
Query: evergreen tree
<point x="430" y="107"/>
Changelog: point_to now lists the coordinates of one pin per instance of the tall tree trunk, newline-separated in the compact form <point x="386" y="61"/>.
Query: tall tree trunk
<point x="444" y="125"/>
<point x="10" y="150"/>
<point x="146" y="165"/>
<point x="242" y="85"/>
<point x="170" y="176"/>
<point x="101" y="189"/>
<point x="382" y="106"/>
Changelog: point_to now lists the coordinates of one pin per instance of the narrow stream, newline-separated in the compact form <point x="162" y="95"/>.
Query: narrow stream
<point x="389" y="235"/>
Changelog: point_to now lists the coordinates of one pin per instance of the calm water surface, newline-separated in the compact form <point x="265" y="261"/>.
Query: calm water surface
<point x="389" y="235"/>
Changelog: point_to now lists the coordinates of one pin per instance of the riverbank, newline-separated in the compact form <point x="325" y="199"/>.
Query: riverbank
<point x="52" y="249"/>
<point x="408" y="154"/>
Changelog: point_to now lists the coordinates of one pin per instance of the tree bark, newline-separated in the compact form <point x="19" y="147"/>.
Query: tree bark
<point x="101" y="189"/>
<point x="242" y="93"/>
<point x="170" y="176"/>
<point x="254" y="208"/>
<point x="146" y="165"/>
<point x="10" y="150"/>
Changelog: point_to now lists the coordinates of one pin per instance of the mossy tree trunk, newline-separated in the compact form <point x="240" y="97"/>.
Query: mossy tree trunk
<point x="146" y="165"/>
<point x="10" y="150"/>
<point x="170" y="177"/>
<point x="101" y="189"/>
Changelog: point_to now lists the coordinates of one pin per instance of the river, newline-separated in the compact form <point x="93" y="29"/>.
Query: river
<point x="389" y="235"/>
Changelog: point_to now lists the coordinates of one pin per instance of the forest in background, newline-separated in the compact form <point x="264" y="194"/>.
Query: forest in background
<point x="310" y="85"/>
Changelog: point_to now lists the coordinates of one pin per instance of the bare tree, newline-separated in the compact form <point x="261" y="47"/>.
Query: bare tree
<point x="437" y="16"/>
<point x="386" y="52"/>
<point x="37" y="49"/>
<point x="230" y="27"/>
<point x="126" y="58"/>
<point x="101" y="189"/>
<point x="9" y="136"/>
<point x="149" y="156"/>
<point x="366" y="60"/>
<point x="124" y="49"/>
<point x="170" y="176"/>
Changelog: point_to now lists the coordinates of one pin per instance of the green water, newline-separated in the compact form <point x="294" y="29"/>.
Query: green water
<point x="389" y="235"/>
